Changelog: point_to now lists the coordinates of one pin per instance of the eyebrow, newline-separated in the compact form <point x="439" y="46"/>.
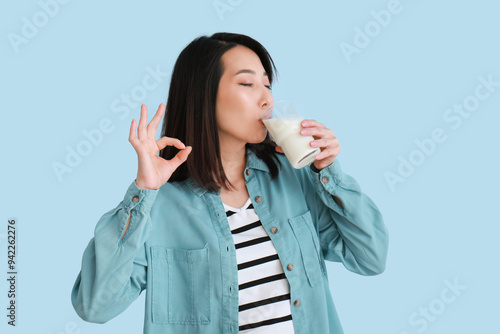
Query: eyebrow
<point x="250" y="72"/>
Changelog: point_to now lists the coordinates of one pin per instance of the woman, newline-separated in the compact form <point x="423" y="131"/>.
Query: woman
<point x="224" y="235"/>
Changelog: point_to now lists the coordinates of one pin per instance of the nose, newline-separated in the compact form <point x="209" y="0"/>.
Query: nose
<point x="266" y="99"/>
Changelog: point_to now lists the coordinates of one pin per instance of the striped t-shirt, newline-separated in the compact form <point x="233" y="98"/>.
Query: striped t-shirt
<point x="264" y="291"/>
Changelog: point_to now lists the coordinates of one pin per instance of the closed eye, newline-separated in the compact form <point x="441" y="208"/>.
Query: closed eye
<point x="251" y="85"/>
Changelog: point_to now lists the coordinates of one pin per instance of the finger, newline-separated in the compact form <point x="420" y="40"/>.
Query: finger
<point x="164" y="141"/>
<point x="132" y="138"/>
<point x="153" y="125"/>
<point x="181" y="157"/>
<point x="325" y="142"/>
<point x="328" y="153"/>
<point x="318" y="143"/>
<point x="279" y="149"/>
<point x="324" y="154"/>
<point x="317" y="132"/>
<point x="307" y="123"/>
<point x="142" y="132"/>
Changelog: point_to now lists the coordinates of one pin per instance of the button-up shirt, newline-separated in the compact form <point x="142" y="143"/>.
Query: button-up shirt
<point x="178" y="247"/>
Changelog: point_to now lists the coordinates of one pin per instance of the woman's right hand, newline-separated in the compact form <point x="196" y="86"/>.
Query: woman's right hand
<point x="154" y="171"/>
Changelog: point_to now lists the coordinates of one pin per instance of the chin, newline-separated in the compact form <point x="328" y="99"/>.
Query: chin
<point x="258" y="136"/>
<point x="256" y="140"/>
<point x="262" y="138"/>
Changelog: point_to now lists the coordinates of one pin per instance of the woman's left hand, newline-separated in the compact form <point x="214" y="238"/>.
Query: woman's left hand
<point x="324" y="138"/>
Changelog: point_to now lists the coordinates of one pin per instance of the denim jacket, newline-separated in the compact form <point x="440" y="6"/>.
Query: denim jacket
<point x="179" y="248"/>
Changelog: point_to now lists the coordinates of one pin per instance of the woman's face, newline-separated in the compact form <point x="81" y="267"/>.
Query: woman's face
<point x="243" y="95"/>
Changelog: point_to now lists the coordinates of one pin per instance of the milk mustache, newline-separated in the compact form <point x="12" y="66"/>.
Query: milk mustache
<point x="286" y="133"/>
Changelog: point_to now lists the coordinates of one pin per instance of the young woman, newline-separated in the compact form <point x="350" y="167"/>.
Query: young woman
<point x="221" y="231"/>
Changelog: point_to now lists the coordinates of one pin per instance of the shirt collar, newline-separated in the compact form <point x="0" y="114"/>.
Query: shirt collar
<point x="253" y="162"/>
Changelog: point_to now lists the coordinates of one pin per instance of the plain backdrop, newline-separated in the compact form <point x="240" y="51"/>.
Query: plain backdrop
<point x="389" y="77"/>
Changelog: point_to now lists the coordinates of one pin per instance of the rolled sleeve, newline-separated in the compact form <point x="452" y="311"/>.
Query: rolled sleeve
<point x="350" y="226"/>
<point x="113" y="271"/>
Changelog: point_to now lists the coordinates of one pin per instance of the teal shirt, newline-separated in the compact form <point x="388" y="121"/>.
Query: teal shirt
<point x="179" y="248"/>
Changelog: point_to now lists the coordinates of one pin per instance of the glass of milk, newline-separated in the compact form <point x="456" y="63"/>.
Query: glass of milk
<point x="282" y="120"/>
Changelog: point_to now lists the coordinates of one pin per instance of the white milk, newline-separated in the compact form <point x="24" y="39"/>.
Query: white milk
<point x="286" y="133"/>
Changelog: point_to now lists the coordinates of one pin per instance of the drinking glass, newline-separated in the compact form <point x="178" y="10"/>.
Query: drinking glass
<point x="283" y="121"/>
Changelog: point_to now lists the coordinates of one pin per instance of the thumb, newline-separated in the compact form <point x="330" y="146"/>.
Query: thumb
<point x="181" y="156"/>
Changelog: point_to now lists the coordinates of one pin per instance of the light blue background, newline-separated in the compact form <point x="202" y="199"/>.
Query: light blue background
<point x="442" y="219"/>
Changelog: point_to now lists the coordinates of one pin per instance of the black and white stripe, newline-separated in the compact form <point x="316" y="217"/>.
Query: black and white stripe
<point x="264" y="292"/>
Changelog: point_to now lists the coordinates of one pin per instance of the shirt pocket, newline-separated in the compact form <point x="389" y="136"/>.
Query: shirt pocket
<point x="306" y="235"/>
<point x="181" y="285"/>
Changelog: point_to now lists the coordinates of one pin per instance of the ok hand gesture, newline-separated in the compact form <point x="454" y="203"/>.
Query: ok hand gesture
<point x="153" y="170"/>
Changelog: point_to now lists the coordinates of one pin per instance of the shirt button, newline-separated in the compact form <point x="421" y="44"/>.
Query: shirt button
<point x="258" y="199"/>
<point x="248" y="172"/>
<point x="324" y="179"/>
<point x="274" y="229"/>
<point x="135" y="199"/>
<point x="290" y="267"/>
<point x="296" y="303"/>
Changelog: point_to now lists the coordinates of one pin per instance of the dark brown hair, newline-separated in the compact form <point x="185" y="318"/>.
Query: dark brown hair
<point x="190" y="110"/>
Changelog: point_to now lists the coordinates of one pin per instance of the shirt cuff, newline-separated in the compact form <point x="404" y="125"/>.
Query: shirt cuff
<point x="314" y="169"/>
<point x="333" y="171"/>
<point x="143" y="199"/>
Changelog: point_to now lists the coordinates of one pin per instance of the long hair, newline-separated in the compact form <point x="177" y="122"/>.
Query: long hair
<point x="190" y="110"/>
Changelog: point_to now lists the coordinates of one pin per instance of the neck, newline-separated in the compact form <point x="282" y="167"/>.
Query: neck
<point x="233" y="161"/>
